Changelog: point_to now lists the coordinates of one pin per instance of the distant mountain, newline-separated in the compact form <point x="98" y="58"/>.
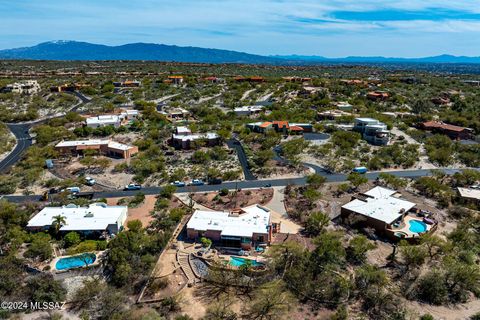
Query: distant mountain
<point x="435" y="59"/>
<point x="73" y="50"/>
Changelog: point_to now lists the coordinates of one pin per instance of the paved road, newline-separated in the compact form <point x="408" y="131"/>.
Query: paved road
<point x="20" y="130"/>
<point x="23" y="142"/>
<point x="242" y="158"/>
<point x="245" y="184"/>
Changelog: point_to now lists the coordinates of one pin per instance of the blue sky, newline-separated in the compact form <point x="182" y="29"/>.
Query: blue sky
<point x="400" y="28"/>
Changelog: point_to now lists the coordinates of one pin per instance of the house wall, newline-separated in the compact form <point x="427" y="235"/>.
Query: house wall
<point x="213" y="235"/>
<point x="192" y="234"/>
<point x="266" y="237"/>
<point x="378" y="225"/>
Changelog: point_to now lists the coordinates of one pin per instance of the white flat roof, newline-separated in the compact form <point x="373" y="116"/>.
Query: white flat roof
<point x="118" y="145"/>
<point x="380" y="205"/>
<point x="254" y="219"/>
<point x="249" y="108"/>
<point x="367" y="120"/>
<point x="95" y="142"/>
<point x="191" y="137"/>
<point x="93" y="217"/>
<point x="469" y="193"/>
<point x="183" y="130"/>
<point x="74" y="143"/>
<point x="103" y="119"/>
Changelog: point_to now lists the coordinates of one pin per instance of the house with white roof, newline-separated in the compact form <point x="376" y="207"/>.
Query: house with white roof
<point x="248" y="110"/>
<point x="97" y="218"/>
<point x="470" y="195"/>
<point x="379" y="208"/>
<point x="115" y="120"/>
<point x="372" y="130"/>
<point x="106" y="147"/>
<point x="243" y="228"/>
<point x="183" y="138"/>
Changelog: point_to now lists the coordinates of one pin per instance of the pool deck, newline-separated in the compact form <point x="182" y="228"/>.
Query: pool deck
<point x="405" y="227"/>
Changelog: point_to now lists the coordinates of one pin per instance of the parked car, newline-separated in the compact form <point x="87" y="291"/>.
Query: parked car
<point x="360" y="170"/>
<point x="268" y="185"/>
<point x="89" y="181"/>
<point x="215" y="181"/>
<point x="178" y="184"/>
<point x="197" y="182"/>
<point x="72" y="190"/>
<point x="132" y="186"/>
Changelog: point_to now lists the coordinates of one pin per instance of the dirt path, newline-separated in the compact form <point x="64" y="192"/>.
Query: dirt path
<point x="458" y="312"/>
<point x="142" y="212"/>
<point x="246" y="94"/>
<point x="423" y="163"/>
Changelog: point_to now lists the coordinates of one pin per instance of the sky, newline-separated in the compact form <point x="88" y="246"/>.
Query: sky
<point x="336" y="28"/>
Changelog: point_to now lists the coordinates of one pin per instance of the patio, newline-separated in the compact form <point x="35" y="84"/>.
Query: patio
<point x="406" y="228"/>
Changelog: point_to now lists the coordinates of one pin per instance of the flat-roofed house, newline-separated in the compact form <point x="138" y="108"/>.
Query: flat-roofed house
<point x="280" y="126"/>
<point x="377" y="208"/>
<point x="175" y="79"/>
<point x="25" y="87"/>
<point x="332" y="114"/>
<point x="103" y="121"/>
<point x="372" y="130"/>
<point x="243" y="228"/>
<point x="115" y="120"/>
<point x="97" y="218"/>
<point x="106" y="147"/>
<point x="248" y="110"/>
<point x="469" y="195"/>
<point x="183" y="138"/>
<point x="174" y="114"/>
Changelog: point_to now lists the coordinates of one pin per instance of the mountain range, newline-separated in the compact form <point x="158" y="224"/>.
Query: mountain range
<point x="74" y="50"/>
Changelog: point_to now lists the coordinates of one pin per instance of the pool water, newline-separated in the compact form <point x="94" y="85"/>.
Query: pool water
<point x="417" y="226"/>
<point x="75" y="261"/>
<point x="238" y="262"/>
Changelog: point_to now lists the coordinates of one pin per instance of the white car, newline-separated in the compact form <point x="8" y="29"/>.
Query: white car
<point x="89" y="181"/>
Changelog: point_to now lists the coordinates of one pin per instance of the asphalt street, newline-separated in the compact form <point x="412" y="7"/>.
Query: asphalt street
<point x="20" y="131"/>
<point x="413" y="174"/>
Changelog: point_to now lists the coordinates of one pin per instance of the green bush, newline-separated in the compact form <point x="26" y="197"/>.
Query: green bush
<point x="71" y="239"/>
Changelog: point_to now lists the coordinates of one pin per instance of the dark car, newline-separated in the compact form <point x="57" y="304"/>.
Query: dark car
<point x="215" y="181"/>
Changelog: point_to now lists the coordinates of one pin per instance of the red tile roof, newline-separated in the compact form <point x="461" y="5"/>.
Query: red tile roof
<point x="296" y="128"/>
<point x="281" y="124"/>
<point x="441" y="125"/>
<point x="265" y="124"/>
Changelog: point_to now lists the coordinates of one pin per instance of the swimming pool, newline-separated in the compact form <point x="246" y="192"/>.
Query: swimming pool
<point x="417" y="226"/>
<point x="75" y="261"/>
<point x="238" y="262"/>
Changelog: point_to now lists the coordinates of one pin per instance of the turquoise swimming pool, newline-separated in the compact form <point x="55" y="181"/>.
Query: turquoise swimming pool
<point x="75" y="261"/>
<point x="417" y="226"/>
<point x="238" y="262"/>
